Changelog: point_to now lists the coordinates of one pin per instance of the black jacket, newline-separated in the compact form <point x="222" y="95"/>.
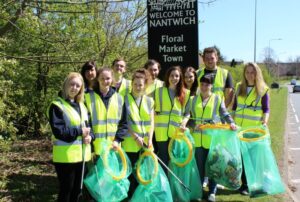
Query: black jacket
<point x="59" y="127"/>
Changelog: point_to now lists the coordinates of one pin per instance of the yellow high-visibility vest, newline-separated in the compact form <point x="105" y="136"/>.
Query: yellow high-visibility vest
<point x="151" y="88"/>
<point x="249" y="109"/>
<point x="104" y="121"/>
<point x="219" y="80"/>
<point x="203" y="114"/>
<point x="71" y="152"/>
<point x="138" y="120"/>
<point x="169" y="113"/>
<point x="125" y="87"/>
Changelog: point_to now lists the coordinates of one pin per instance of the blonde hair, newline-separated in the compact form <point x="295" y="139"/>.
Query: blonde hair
<point x="260" y="84"/>
<point x="80" y="96"/>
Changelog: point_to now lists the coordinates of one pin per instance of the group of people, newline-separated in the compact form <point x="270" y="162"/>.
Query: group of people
<point x="100" y="104"/>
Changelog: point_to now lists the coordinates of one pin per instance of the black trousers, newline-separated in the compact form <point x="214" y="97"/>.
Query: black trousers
<point x="133" y="157"/>
<point x="163" y="153"/>
<point x="69" y="177"/>
<point x="244" y="179"/>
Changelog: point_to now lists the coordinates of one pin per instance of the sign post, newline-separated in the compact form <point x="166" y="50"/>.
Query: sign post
<point x="173" y="33"/>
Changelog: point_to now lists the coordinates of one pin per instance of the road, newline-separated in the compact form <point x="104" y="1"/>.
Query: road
<point x="293" y="145"/>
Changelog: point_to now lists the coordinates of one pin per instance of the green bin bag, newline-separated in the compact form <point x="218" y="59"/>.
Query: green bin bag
<point x="107" y="180"/>
<point x="259" y="163"/>
<point x="183" y="164"/>
<point x="153" y="183"/>
<point x="224" y="163"/>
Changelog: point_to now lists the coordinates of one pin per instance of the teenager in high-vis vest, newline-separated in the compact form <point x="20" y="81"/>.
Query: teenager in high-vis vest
<point x="122" y="85"/>
<point x="191" y="83"/>
<point x="67" y="117"/>
<point x="190" y="80"/>
<point x="89" y="74"/>
<point x="140" y="120"/>
<point x="251" y="105"/>
<point x="171" y="110"/>
<point x="223" y="83"/>
<point x="106" y="109"/>
<point x="207" y="108"/>
<point x="154" y="68"/>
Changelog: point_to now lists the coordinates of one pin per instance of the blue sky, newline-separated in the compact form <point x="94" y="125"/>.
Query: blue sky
<point x="229" y="24"/>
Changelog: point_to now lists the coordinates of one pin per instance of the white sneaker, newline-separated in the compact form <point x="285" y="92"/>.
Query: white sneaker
<point x="212" y="198"/>
<point x="205" y="182"/>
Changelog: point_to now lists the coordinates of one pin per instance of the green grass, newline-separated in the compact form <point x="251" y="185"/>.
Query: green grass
<point x="277" y="127"/>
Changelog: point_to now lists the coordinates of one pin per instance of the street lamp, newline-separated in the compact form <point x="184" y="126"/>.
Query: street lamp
<point x="255" y="12"/>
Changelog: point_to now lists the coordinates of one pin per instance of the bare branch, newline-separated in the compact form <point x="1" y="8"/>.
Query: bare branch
<point x="9" y="25"/>
<point x="40" y="61"/>
<point x="83" y="3"/>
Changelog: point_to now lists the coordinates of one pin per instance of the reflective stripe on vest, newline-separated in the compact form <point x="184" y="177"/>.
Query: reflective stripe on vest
<point x="249" y="109"/>
<point x="219" y="81"/>
<point x="138" y="120"/>
<point x="70" y="152"/>
<point x="202" y="114"/>
<point x="104" y="121"/>
<point x="169" y="113"/>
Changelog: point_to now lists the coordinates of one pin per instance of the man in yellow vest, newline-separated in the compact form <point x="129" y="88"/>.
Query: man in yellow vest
<point x="154" y="68"/>
<point x="222" y="79"/>
<point x="122" y="85"/>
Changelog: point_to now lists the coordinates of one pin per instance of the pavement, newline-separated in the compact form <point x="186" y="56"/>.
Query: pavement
<point x="293" y="144"/>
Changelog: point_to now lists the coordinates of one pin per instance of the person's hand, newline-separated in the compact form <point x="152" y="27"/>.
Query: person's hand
<point x="150" y="145"/>
<point x="86" y="131"/>
<point x="139" y="140"/>
<point x="199" y="126"/>
<point x="87" y="139"/>
<point x="115" y="145"/>
<point x="233" y="126"/>
<point x="182" y="128"/>
<point x="264" y="124"/>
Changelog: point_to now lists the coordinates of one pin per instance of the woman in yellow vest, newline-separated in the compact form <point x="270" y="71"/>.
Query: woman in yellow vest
<point x="190" y="80"/>
<point x="251" y="105"/>
<point x="171" y="110"/>
<point x="67" y="115"/>
<point x="140" y="120"/>
<point x="207" y="108"/>
<point x="191" y="83"/>
<point x="122" y="85"/>
<point x="106" y="110"/>
<point x="154" y="68"/>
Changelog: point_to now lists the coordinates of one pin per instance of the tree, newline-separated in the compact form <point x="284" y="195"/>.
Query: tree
<point x="42" y="41"/>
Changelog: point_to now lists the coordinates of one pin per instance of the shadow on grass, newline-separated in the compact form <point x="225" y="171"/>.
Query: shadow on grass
<point x="31" y="187"/>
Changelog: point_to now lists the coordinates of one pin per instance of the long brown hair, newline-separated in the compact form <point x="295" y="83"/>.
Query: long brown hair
<point x="180" y="90"/>
<point x="194" y="87"/>
<point x="260" y="85"/>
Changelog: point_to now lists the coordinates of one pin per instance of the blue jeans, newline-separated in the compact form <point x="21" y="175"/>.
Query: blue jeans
<point x="201" y="156"/>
